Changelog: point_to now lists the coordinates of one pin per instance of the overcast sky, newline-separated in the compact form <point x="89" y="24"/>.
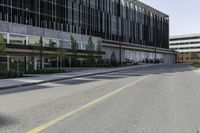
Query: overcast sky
<point x="184" y="14"/>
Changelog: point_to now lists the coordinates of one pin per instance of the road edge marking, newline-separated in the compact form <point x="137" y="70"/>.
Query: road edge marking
<point x="83" y="107"/>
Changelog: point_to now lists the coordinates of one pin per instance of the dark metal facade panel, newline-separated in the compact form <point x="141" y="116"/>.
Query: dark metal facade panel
<point x="109" y="19"/>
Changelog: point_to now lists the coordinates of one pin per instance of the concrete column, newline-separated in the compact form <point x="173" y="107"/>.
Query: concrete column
<point x="42" y="63"/>
<point x="50" y="62"/>
<point x="26" y="63"/>
<point x="70" y="62"/>
<point x="81" y="45"/>
<point x="57" y="62"/>
<point x="35" y="63"/>
<point x="8" y="38"/>
<point x="26" y="40"/>
<point x="61" y="64"/>
<point x="81" y="62"/>
<point x="8" y="63"/>
<point x="17" y="64"/>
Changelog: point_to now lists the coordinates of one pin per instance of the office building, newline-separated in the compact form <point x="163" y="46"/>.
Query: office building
<point x="187" y="47"/>
<point x="134" y="30"/>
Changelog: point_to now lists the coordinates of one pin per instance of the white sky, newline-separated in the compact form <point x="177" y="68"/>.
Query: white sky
<point x="184" y="14"/>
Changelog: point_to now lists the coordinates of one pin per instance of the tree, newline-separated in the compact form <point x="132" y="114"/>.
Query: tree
<point x="113" y="59"/>
<point x="52" y="44"/>
<point x="61" y="52"/>
<point x="195" y="57"/>
<point x="74" y="47"/>
<point x="99" y="49"/>
<point x="2" y="45"/>
<point x="90" y="45"/>
<point x="90" y="51"/>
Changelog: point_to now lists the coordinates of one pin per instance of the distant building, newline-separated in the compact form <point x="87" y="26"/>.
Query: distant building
<point x="187" y="47"/>
<point x="134" y="30"/>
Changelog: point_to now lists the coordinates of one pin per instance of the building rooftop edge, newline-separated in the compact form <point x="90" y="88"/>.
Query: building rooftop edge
<point x="154" y="9"/>
<point x="185" y="35"/>
<point x="142" y="4"/>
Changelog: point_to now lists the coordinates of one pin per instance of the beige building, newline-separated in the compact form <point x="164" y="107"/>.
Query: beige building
<point x="187" y="47"/>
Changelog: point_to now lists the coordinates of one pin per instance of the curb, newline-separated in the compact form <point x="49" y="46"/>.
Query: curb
<point x="60" y="79"/>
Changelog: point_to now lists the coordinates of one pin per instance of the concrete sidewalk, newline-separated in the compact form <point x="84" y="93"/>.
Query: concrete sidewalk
<point x="44" y="78"/>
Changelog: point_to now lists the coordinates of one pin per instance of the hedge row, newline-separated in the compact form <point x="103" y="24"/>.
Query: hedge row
<point x="14" y="74"/>
<point x="45" y="71"/>
<point x="197" y="65"/>
<point x="10" y="74"/>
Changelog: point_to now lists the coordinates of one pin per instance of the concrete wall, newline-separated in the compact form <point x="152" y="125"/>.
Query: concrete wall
<point x="35" y="31"/>
<point x="109" y="51"/>
<point x="138" y="56"/>
<point x="169" y="59"/>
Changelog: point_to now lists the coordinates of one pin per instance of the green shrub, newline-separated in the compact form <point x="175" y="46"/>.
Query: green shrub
<point x="103" y="65"/>
<point x="157" y="61"/>
<point x="197" y="65"/>
<point x="45" y="71"/>
<point x="113" y="59"/>
<point x="11" y="74"/>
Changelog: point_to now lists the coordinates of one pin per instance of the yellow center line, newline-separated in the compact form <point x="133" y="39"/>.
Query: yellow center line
<point x="68" y="114"/>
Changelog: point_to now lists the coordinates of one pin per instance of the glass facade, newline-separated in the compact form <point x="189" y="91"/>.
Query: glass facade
<point x="4" y="36"/>
<point x="115" y="20"/>
<point x="3" y="63"/>
<point x="65" y="44"/>
<point x="17" y="63"/>
<point x="52" y="43"/>
<point x="17" y="39"/>
<point x="34" y="40"/>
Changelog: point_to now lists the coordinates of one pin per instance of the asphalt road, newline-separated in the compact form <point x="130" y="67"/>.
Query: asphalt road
<point x="157" y="99"/>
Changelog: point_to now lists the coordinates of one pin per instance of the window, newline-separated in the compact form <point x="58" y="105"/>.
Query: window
<point x="79" y="45"/>
<point x="34" y="41"/>
<point x="66" y="44"/>
<point x="52" y="43"/>
<point x="4" y="36"/>
<point x="3" y="63"/>
<point x="17" y="39"/>
<point x="84" y="45"/>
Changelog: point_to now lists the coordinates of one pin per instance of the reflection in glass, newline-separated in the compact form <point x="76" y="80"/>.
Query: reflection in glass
<point x="17" y="39"/>
<point x="3" y="63"/>
<point x="34" y="41"/>
<point x="4" y="36"/>
<point x="51" y="43"/>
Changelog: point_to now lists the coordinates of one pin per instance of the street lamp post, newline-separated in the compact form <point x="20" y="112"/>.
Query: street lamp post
<point x="155" y="52"/>
<point x="41" y="53"/>
<point x="120" y="53"/>
<point x="119" y="43"/>
<point x="26" y="58"/>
